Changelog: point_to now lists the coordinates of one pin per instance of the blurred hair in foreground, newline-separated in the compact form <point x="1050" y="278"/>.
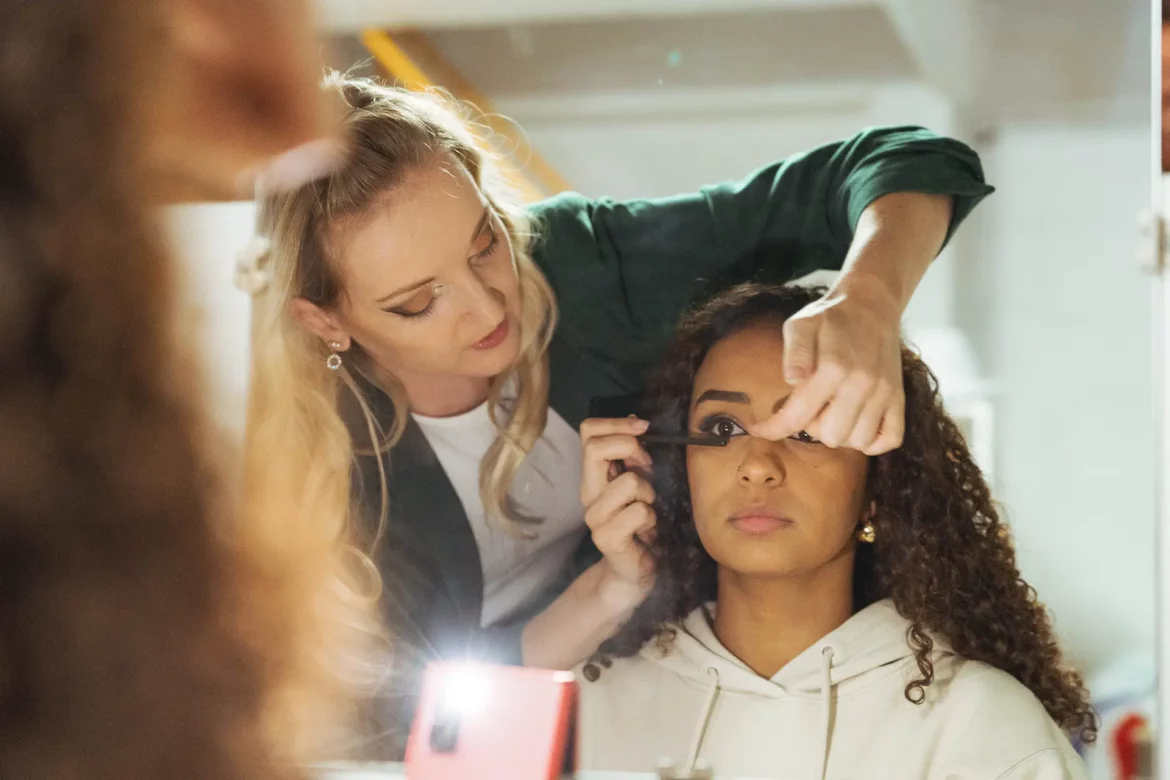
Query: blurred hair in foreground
<point x="148" y="629"/>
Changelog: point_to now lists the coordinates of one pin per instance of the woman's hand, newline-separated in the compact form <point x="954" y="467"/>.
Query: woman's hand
<point x="238" y="96"/>
<point x="618" y="512"/>
<point x="842" y="354"/>
<point x="619" y="507"/>
<point x="852" y="395"/>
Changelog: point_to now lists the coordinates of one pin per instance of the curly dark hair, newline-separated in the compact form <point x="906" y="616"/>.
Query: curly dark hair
<point x="941" y="553"/>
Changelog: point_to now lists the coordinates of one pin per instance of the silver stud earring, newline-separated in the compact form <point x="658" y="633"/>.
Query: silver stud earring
<point x="439" y="290"/>
<point x="333" y="362"/>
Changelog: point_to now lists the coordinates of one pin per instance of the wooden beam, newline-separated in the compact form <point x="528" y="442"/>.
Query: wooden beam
<point x="395" y="61"/>
<point x="412" y="60"/>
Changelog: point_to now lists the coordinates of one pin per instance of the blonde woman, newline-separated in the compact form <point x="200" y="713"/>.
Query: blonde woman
<point x="426" y="351"/>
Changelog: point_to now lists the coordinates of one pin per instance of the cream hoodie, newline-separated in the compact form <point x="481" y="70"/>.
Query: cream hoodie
<point x="836" y="711"/>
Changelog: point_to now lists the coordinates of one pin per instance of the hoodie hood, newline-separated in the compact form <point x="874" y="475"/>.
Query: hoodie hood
<point x="872" y="638"/>
<point x="838" y="710"/>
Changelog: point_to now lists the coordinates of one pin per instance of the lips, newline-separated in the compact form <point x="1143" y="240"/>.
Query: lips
<point x="495" y="338"/>
<point x="759" y="520"/>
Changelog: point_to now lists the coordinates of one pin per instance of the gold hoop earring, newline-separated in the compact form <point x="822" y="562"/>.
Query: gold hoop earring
<point x="333" y="362"/>
<point x="866" y="534"/>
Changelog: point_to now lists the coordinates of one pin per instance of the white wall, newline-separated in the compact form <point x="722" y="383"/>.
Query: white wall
<point x="207" y="237"/>
<point x="1064" y="320"/>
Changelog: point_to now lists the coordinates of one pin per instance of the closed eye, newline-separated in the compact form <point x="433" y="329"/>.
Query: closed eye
<point x="421" y="304"/>
<point x="490" y="249"/>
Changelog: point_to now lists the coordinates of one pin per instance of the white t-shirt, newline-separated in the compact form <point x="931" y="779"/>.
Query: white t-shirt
<point x="547" y="486"/>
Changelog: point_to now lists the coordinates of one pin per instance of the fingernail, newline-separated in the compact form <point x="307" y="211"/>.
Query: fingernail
<point x="794" y="378"/>
<point x="642" y="424"/>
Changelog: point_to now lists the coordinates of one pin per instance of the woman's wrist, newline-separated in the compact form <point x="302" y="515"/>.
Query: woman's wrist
<point x="896" y="240"/>
<point x="596" y="605"/>
<point x="617" y="595"/>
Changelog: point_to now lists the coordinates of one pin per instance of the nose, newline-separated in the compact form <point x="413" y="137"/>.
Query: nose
<point x="487" y="303"/>
<point x="762" y="464"/>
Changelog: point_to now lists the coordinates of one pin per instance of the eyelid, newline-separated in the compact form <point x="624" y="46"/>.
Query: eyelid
<point x="402" y="312"/>
<point x="493" y="242"/>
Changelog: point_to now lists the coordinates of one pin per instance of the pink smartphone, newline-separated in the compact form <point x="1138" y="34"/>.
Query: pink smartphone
<point x="490" y="723"/>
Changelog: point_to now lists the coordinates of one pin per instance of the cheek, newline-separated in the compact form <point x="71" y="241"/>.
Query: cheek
<point x="710" y="475"/>
<point x="834" y="486"/>
<point x="501" y="274"/>
<point x="424" y="344"/>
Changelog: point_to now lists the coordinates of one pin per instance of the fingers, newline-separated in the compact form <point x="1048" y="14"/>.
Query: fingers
<point x="863" y="411"/>
<point x="800" y="350"/>
<point x="627" y="489"/>
<point x="607" y="426"/>
<point x="802" y="406"/>
<point x="617" y="536"/>
<point x="846" y="376"/>
<point x="892" y="429"/>
<point x="606" y="442"/>
<point x="869" y="422"/>
<point x="839" y="420"/>
<point x="240" y="87"/>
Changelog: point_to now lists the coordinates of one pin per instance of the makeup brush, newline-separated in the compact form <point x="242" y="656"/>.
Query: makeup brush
<point x="705" y="440"/>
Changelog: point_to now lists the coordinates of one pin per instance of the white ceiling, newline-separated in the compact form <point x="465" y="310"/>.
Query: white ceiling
<point x="684" y="52"/>
<point x="996" y="60"/>
<point x="348" y="16"/>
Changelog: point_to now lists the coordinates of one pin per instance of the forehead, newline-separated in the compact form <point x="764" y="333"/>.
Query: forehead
<point x="748" y="360"/>
<point x="409" y="233"/>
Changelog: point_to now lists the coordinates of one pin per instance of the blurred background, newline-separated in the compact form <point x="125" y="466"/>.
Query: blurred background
<point x="1038" y="318"/>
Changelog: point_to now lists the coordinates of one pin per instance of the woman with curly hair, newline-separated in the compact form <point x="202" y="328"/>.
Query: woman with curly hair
<point x="816" y="612"/>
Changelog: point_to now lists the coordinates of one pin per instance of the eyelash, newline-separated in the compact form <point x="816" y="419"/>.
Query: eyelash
<point x="708" y="426"/>
<point x="421" y="314"/>
<point x="489" y="250"/>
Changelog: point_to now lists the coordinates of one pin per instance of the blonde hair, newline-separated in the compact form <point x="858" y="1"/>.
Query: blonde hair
<point x="295" y="418"/>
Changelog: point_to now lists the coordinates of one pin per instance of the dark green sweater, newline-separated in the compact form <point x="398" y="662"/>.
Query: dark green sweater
<point x="623" y="273"/>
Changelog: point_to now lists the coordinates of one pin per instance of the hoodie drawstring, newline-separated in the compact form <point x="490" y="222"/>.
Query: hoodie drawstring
<point x="704" y="719"/>
<point x="826" y="705"/>
<point x="709" y="707"/>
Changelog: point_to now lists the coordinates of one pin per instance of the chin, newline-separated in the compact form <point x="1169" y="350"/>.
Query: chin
<point x="761" y="562"/>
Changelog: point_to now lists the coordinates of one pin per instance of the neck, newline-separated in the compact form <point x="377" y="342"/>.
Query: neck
<point x="767" y="622"/>
<point x="444" y="396"/>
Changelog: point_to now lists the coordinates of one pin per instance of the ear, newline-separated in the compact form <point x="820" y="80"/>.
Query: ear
<point x="322" y="324"/>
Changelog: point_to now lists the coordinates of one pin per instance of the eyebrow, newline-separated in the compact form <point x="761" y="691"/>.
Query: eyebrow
<point x="483" y="218"/>
<point x="734" y="397"/>
<point x="724" y="395"/>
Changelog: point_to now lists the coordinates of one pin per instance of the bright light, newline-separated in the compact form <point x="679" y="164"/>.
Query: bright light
<point x="465" y="689"/>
